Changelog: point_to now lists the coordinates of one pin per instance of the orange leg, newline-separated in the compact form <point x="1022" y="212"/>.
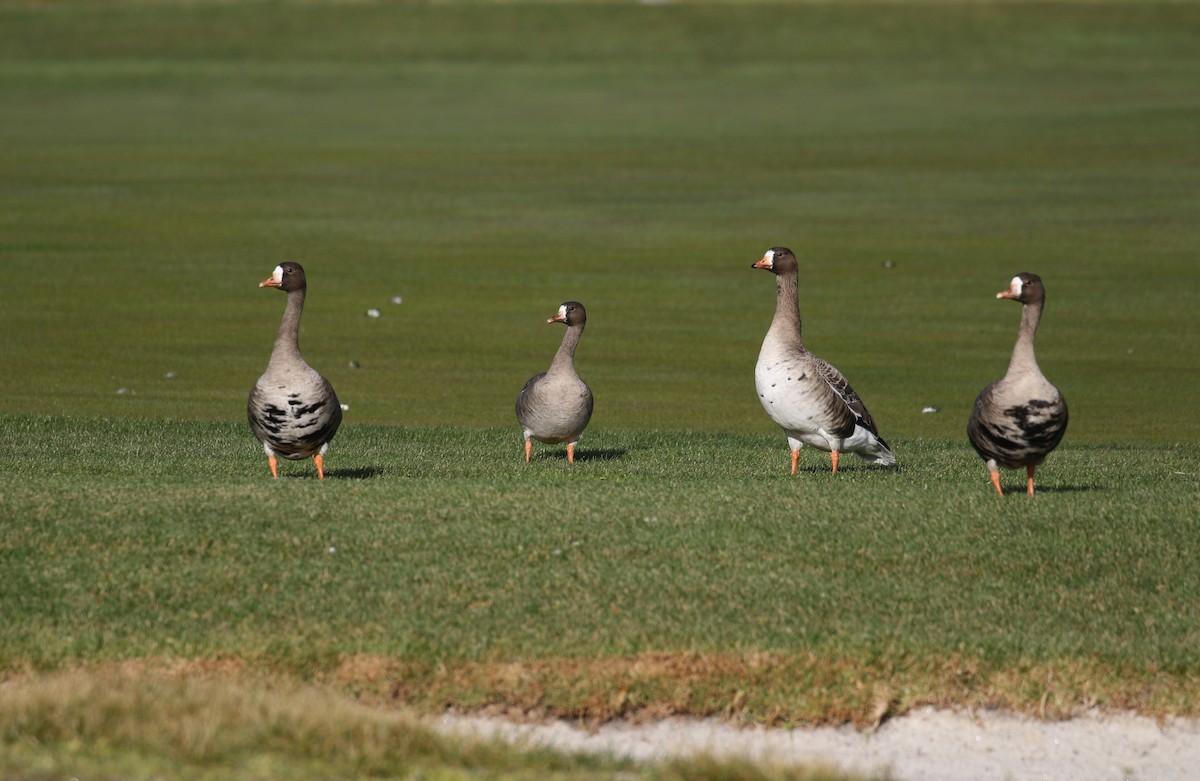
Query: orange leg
<point x="1029" y="470"/>
<point x="274" y="466"/>
<point x="795" y="460"/>
<point x="833" y="456"/>
<point x="528" y="450"/>
<point x="996" y="482"/>
<point x="571" y="452"/>
<point x="319" y="460"/>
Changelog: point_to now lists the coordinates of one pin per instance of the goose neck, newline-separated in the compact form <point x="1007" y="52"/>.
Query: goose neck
<point x="786" y="324"/>
<point x="1023" y="357"/>
<point x="565" y="357"/>
<point x="287" y="341"/>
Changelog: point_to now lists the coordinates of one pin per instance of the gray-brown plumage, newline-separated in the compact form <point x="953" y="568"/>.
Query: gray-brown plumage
<point x="806" y="396"/>
<point x="556" y="405"/>
<point x="1021" y="417"/>
<point x="292" y="409"/>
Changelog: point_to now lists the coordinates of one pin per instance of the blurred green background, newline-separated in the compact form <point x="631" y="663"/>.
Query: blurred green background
<point x="487" y="161"/>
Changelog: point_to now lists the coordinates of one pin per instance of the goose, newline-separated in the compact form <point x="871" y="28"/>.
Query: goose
<point x="556" y="405"/>
<point x="292" y="409"/>
<point x="1020" y="418"/>
<point x="805" y="395"/>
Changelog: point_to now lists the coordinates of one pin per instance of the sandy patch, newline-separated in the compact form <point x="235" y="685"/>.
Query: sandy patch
<point x="925" y="745"/>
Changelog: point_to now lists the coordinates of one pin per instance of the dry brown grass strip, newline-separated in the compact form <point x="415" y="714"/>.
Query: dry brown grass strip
<point x="771" y="689"/>
<point x="763" y="688"/>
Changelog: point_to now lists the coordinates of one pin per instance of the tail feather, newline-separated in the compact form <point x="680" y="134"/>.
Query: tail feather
<point x="877" y="452"/>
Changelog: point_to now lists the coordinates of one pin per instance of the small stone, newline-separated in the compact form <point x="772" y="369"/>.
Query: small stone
<point x="930" y="410"/>
<point x="171" y="375"/>
<point x="354" y="364"/>
<point x="373" y="313"/>
<point x="397" y="299"/>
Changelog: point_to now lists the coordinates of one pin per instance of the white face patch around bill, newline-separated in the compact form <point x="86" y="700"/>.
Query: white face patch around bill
<point x="277" y="274"/>
<point x="562" y="311"/>
<point x="768" y="258"/>
<point x="1017" y="286"/>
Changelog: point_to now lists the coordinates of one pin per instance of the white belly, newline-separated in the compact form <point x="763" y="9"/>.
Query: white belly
<point x="792" y="397"/>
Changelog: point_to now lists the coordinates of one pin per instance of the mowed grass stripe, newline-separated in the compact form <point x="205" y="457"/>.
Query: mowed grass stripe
<point x="637" y="159"/>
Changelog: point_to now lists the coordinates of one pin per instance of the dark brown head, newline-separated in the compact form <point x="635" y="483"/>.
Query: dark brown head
<point x="288" y="276"/>
<point x="778" y="260"/>
<point x="1026" y="288"/>
<point x="571" y="313"/>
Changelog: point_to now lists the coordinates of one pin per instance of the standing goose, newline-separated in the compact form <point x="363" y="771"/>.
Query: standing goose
<point x="292" y="409"/>
<point x="806" y="396"/>
<point x="1021" y="417"/>
<point x="556" y="405"/>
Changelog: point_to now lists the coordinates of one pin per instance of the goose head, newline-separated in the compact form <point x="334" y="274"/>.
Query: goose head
<point x="777" y="260"/>
<point x="571" y="313"/>
<point x="1026" y="288"/>
<point x="287" y="276"/>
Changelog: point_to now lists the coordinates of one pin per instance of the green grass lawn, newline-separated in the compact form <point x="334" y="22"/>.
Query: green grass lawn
<point x="661" y="574"/>
<point x="135" y="538"/>
<point x="488" y="161"/>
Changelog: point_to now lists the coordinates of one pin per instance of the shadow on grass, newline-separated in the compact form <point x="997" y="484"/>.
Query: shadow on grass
<point x="602" y="454"/>
<point x="817" y="465"/>
<point x="821" y="469"/>
<point x="361" y="473"/>
<point x="1055" y="489"/>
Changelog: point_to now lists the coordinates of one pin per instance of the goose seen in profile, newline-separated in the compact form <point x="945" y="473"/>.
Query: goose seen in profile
<point x="805" y="395"/>
<point x="556" y="405"/>
<point x="1020" y="418"/>
<point x="292" y="409"/>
